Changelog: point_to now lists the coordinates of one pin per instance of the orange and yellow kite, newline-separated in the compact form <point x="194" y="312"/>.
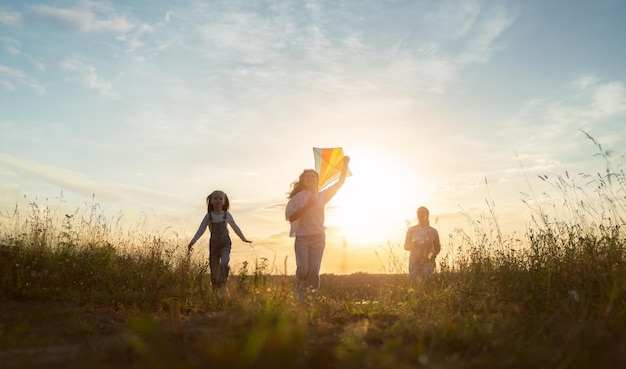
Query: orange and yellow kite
<point x="328" y="165"/>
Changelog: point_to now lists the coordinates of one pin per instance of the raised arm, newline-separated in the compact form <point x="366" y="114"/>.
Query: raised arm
<point x="342" y="178"/>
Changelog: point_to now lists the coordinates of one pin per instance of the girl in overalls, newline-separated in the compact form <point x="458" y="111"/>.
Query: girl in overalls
<point x="216" y="219"/>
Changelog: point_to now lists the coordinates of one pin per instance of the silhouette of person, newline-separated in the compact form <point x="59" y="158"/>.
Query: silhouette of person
<point x="423" y="243"/>
<point x="305" y="212"/>
<point x="216" y="220"/>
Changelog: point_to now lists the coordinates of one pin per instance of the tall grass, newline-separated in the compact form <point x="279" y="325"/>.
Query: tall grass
<point x="554" y="297"/>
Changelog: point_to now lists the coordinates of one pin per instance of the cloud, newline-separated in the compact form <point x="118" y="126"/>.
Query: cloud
<point x="91" y="17"/>
<point x="133" y="39"/>
<point x="459" y="37"/>
<point x="246" y="37"/>
<point x="543" y="137"/>
<point x="7" y="85"/>
<point x="10" y="18"/>
<point x="547" y="133"/>
<point x="10" y="78"/>
<point x="86" y="17"/>
<point x="12" y="48"/>
<point x="11" y="72"/>
<point x="75" y="182"/>
<point x="351" y="50"/>
<point x="87" y="76"/>
<point x="588" y="102"/>
<point x="608" y="100"/>
<point x="484" y="35"/>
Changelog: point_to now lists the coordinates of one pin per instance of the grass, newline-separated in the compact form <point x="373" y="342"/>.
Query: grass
<point x="74" y="290"/>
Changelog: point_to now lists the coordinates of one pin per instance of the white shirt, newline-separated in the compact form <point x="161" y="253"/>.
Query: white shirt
<point x="312" y="221"/>
<point x="215" y="218"/>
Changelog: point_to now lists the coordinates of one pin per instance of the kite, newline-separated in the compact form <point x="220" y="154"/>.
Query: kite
<point x="328" y="164"/>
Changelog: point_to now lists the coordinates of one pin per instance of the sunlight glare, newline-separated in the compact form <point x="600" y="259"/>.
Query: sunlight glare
<point x="376" y="203"/>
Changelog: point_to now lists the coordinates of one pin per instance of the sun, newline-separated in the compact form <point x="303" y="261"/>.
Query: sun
<point x="374" y="205"/>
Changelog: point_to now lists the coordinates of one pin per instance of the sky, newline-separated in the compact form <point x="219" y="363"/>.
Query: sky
<point x="143" y="108"/>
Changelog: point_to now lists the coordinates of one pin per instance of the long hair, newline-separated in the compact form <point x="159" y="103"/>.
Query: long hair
<point x="298" y="185"/>
<point x="209" y="206"/>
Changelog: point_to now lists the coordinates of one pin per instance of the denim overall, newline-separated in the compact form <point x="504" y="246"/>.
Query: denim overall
<point x="219" y="252"/>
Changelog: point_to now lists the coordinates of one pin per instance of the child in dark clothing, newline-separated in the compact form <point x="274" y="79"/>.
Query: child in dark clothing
<point x="216" y="219"/>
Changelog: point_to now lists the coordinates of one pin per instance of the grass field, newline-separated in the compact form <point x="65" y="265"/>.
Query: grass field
<point x="75" y="295"/>
<point x="561" y="303"/>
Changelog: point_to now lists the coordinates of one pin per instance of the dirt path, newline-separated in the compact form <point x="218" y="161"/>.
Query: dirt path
<point x="36" y="334"/>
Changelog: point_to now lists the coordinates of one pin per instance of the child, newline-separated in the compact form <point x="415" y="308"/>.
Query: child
<point x="216" y="218"/>
<point x="422" y="241"/>
<point x="305" y="212"/>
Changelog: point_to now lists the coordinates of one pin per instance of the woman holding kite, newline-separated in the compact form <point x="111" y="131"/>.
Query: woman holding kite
<point x="305" y="212"/>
